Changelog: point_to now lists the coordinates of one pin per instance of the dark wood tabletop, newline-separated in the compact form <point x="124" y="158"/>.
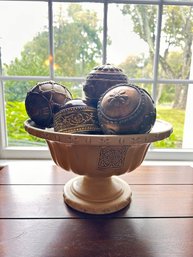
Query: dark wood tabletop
<point x="35" y="221"/>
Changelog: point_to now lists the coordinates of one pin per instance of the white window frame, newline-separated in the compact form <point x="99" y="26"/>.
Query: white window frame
<point x="43" y="153"/>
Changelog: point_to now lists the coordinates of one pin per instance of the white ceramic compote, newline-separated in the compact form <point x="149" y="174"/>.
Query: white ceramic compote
<point x="98" y="160"/>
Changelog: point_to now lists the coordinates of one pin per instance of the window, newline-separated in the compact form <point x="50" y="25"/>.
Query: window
<point x="150" y="40"/>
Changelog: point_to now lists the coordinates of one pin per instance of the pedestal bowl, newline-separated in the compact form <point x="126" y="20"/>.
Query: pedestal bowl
<point x="98" y="160"/>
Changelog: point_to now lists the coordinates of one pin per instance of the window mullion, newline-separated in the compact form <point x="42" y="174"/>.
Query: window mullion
<point x="51" y="39"/>
<point x="157" y="49"/>
<point x="105" y="27"/>
<point x="3" y="135"/>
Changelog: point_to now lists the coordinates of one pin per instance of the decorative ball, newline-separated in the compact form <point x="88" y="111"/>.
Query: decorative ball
<point x="74" y="103"/>
<point x="100" y="79"/>
<point x="126" y="109"/>
<point x="44" y="100"/>
<point x="77" y="117"/>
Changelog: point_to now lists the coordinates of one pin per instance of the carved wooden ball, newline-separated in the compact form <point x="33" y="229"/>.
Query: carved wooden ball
<point x="126" y="109"/>
<point x="100" y="79"/>
<point x="44" y="100"/>
<point x="77" y="117"/>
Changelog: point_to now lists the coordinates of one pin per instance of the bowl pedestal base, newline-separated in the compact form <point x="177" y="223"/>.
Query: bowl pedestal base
<point x="96" y="195"/>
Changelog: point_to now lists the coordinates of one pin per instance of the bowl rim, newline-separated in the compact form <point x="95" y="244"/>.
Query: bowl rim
<point x="160" y="131"/>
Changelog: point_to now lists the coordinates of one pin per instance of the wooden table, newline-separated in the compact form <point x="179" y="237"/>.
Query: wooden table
<point x="35" y="222"/>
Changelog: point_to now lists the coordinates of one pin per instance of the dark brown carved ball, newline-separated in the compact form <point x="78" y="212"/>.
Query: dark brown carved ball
<point x="100" y="79"/>
<point x="126" y="109"/>
<point x="44" y="100"/>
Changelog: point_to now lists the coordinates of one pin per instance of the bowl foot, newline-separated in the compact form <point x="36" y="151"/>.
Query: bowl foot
<point x="97" y="195"/>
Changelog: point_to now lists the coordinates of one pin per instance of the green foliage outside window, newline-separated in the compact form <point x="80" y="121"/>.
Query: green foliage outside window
<point x="15" y="117"/>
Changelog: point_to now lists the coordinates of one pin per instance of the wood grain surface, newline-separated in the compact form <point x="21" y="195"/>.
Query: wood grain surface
<point x="35" y="221"/>
<point x="97" y="238"/>
<point x="46" y="201"/>
<point x="42" y="172"/>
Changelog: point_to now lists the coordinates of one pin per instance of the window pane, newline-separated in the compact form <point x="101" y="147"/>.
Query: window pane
<point x="24" y="37"/>
<point x="188" y="135"/>
<point x="176" y="42"/>
<point x="75" y="88"/>
<point x="77" y="38"/>
<point x="132" y="38"/>
<point x="15" y="93"/>
<point x="168" y="111"/>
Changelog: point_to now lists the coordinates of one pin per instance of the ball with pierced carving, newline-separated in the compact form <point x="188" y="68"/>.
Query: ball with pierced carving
<point x="126" y="109"/>
<point x="44" y="100"/>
